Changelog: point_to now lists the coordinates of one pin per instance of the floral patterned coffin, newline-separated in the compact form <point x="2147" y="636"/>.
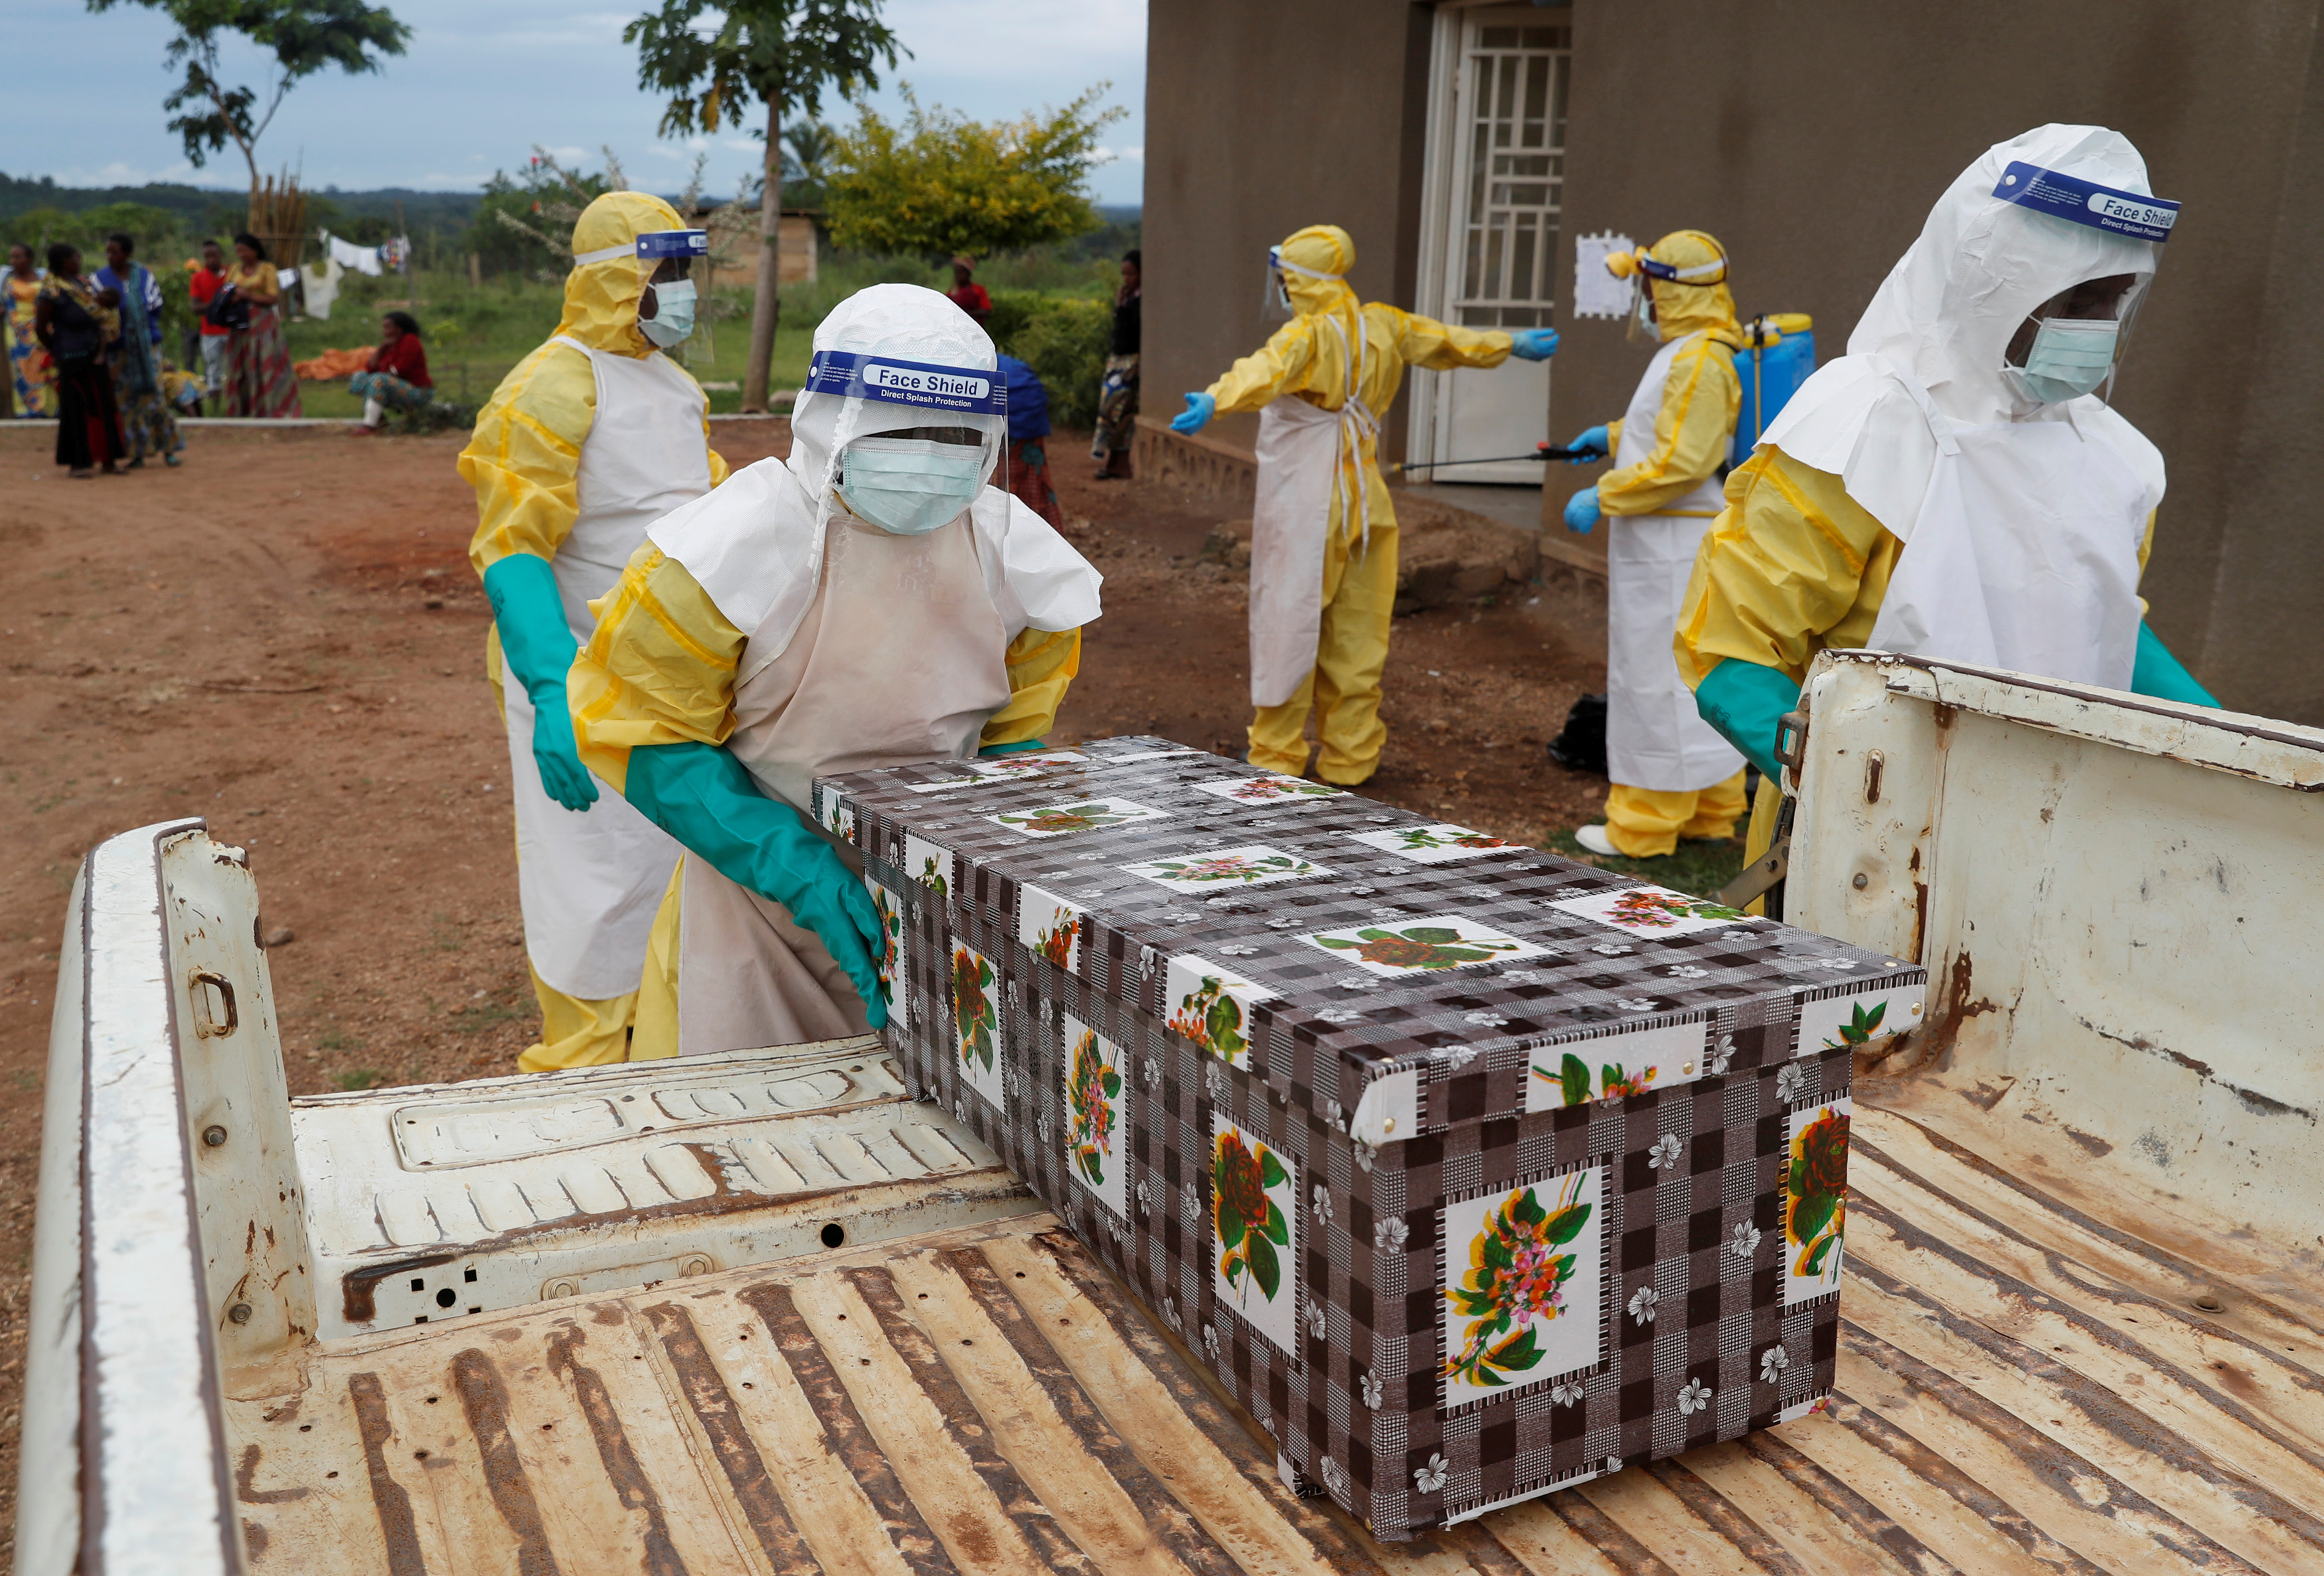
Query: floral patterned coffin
<point x="1473" y="1172"/>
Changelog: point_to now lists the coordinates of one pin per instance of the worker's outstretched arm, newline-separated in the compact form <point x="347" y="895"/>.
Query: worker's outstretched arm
<point x="1042" y="666"/>
<point x="1441" y="346"/>
<point x="1276" y="368"/>
<point x="702" y="796"/>
<point x="1692" y="429"/>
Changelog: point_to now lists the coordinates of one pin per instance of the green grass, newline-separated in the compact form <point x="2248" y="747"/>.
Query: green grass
<point x="363" y="1078"/>
<point x="475" y="336"/>
<point x="1699" y="867"/>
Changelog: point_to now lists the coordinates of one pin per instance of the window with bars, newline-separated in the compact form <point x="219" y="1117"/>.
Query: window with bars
<point x="1515" y="115"/>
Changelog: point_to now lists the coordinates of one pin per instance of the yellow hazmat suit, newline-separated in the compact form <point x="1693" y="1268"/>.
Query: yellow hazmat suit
<point x="524" y="462"/>
<point x="1673" y="776"/>
<point x="1336" y="350"/>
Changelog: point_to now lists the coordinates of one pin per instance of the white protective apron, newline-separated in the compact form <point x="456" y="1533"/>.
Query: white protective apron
<point x="899" y="659"/>
<point x="2024" y="555"/>
<point x="590" y="881"/>
<point x="1654" y="737"/>
<point x="1299" y="478"/>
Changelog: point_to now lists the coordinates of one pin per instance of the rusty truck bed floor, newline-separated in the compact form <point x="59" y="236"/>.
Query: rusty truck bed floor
<point x="2024" y="1386"/>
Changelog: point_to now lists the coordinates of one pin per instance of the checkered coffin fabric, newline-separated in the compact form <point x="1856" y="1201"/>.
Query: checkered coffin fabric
<point x="1472" y="1171"/>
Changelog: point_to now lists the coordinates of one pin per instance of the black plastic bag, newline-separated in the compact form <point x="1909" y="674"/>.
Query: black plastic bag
<point x="1581" y="747"/>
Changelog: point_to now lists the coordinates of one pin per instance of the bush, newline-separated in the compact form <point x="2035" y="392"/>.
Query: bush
<point x="1066" y="341"/>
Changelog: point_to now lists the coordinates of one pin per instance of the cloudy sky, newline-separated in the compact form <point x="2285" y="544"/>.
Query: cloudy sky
<point x="484" y="80"/>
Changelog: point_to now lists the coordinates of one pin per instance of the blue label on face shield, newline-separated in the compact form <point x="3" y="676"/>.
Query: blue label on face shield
<point x="968" y="389"/>
<point x="661" y="244"/>
<point x="2084" y="202"/>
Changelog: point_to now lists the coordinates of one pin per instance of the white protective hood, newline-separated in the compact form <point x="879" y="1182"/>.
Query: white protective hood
<point x="1927" y="354"/>
<point x="755" y="544"/>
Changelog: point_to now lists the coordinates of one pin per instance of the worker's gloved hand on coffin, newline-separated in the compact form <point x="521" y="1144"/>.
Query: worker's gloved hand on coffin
<point x="702" y="796"/>
<point x="2155" y="672"/>
<point x="1200" y="408"/>
<point x="1581" y="510"/>
<point x="1534" y="344"/>
<point x="1592" y="446"/>
<point x="1021" y="745"/>
<point x="1746" y="702"/>
<point x="537" y="646"/>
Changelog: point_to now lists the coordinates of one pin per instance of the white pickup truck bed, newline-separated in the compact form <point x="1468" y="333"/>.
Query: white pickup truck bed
<point x="2071" y="1341"/>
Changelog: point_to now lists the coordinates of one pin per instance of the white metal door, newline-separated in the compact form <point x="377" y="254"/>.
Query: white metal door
<point x="1496" y="174"/>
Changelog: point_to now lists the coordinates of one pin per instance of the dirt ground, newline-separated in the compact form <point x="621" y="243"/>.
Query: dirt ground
<point x="284" y="636"/>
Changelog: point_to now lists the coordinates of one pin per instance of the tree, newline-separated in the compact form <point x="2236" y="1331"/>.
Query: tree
<point x="305" y="36"/>
<point x="806" y="157"/>
<point x="942" y="183"/>
<point x="784" y="53"/>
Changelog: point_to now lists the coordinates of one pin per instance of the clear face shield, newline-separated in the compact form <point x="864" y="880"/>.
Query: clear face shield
<point x="1276" y="304"/>
<point x="913" y="441"/>
<point x="1642" y="269"/>
<point x="2071" y="344"/>
<point x="670" y="259"/>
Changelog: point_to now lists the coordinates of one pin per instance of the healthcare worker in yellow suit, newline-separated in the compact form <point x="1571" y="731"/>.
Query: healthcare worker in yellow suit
<point x="871" y="601"/>
<point x="1673" y="775"/>
<point x="586" y="442"/>
<point x="1322" y="547"/>
<point x="1956" y="486"/>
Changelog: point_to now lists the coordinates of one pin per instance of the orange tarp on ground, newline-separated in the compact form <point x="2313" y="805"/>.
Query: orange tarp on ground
<point x="332" y="364"/>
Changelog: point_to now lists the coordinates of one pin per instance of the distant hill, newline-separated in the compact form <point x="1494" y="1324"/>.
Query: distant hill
<point x="220" y="207"/>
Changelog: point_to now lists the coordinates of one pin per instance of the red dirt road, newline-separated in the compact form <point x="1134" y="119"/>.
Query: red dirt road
<point x="284" y="636"/>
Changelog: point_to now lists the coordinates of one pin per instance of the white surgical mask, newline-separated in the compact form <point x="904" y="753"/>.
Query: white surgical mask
<point x="673" y="318"/>
<point x="909" y="486"/>
<point x="2071" y="358"/>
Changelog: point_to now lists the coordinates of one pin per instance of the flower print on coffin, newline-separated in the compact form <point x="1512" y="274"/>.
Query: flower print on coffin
<point x="890" y="961"/>
<point x="1097" y="1114"/>
<point x="1023" y="765"/>
<point x="1224" y="869"/>
<point x="1255" y="1233"/>
<point x="1270" y="789"/>
<point x="1080" y="815"/>
<point x="975" y="994"/>
<point x="1211" y="1005"/>
<point x="1611" y="1066"/>
<point x="1816" y="1199"/>
<point x="1398" y="947"/>
<point x="928" y="863"/>
<point x="1439" y="845"/>
<point x="1050" y="927"/>
<point x="1653" y="911"/>
<point x="836" y="815"/>
<point x="1521" y="1285"/>
<point x="1859" y="1020"/>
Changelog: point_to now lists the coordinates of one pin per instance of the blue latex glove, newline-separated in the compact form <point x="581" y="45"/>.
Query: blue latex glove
<point x="1200" y="408"/>
<point x="1534" y="344"/>
<point x="701" y="794"/>
<point x="2155" y="672"/>
<point x="537" y="648"/>
<point x="1746" y="702"/>
<point x="1582" y="511"/>
<point x="1011" y="749"/>
<point x="1592" y="447"/>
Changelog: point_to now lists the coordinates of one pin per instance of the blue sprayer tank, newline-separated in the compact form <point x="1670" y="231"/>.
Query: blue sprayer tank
<point x="1778" y="356"/>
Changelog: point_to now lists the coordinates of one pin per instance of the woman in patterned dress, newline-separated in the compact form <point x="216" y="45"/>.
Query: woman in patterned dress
<point x="259" y="381"/>
<point x="135" y="357"/>
<point x="28" y="365"/>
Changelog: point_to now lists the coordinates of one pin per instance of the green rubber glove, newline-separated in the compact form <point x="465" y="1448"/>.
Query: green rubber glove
<point x="2156" y="672"/>
<point x="702" y="796"/>
<point x="1746" y="702"/>
<point x="1021" y="745"/>
<point x="536" y="649"/>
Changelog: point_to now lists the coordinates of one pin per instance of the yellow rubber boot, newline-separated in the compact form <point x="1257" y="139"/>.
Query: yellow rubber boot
<point x="574" y="1033"/>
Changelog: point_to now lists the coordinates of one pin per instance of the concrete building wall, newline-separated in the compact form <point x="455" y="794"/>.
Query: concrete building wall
<point x="1810" y="136"/>
<point x="1262" y="118"/>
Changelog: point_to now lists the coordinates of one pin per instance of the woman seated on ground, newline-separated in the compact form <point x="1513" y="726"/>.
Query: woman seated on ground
<point x="397" y="378"/>
<point x="76" y="321"/>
